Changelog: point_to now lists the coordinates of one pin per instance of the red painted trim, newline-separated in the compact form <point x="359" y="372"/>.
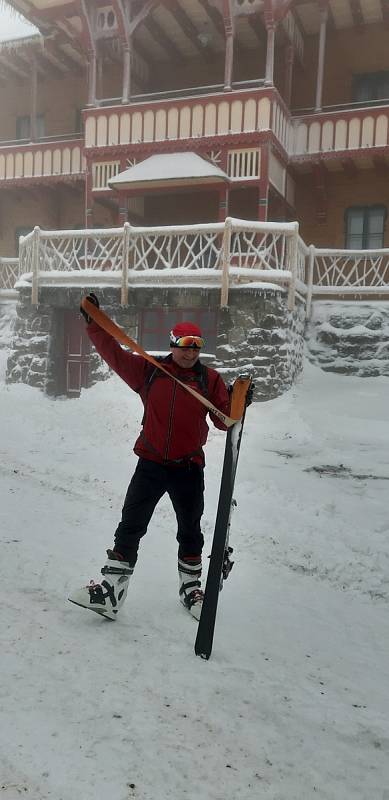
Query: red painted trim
<point x="323" y="116"/>
<point x="193" y="100"/>
<point x="199" y="145"/>
<point x="35" y="147"/>
<point x="155" y="190"/>
<point x="336" y="155"/>
<point x="42" y="180"/>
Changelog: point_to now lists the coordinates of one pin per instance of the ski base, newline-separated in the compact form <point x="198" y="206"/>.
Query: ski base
<point x="205" y="632"/>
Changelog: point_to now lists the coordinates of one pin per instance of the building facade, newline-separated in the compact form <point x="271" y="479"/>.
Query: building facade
<point x="287" y="99"/>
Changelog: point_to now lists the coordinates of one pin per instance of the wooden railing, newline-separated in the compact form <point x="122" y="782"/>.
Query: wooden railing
<point x="41" y="159"/>
<point x="173" y="119"/>
<point x="236" y="252"/>
<point x="215" y="254"/>
<point x="346" y="129"/>
<point x="9" y="273"/>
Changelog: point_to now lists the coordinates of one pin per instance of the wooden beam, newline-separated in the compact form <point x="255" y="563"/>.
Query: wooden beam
<point x="282" y="8"/>
<point x="357" y="15"/>
<point x="13" y="68"/>
<point x="187" y="26"/>
<point x="122" y="20"/>
<point x="142" y="14"/>
<point x="385" y="12"/>
<point x="87" y="15"/>
<point x="143" y="53"/>
<point x="255" y="23"/>
<point x="56" y="54"/>
<point x="214" y="15"/>
<point x="9" y="75"/>
<point x="163" y="40"/>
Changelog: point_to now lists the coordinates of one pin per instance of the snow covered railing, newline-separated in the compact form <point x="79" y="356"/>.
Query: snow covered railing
<point x="9" y="273"/>
<point x="233" y="252"/>
<point x="353" y="272"/>
<point x="226" y="252"/>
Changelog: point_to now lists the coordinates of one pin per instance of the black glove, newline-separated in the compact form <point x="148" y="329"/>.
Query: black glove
<point x="92" y="299"/>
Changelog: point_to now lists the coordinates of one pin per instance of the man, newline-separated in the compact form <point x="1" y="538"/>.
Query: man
<point x="171" y="459"/>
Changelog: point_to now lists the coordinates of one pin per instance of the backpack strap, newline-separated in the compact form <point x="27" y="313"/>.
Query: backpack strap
<point x="201" y="377"/>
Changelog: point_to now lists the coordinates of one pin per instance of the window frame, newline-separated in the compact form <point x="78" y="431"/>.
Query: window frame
<point x="365" y="234"/>
<point x="371" y="83"/>
<point x="40" y="125"/>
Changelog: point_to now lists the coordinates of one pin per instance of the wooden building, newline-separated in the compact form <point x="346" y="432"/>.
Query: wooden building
<point x="288" y="97"/>
<point x="281" y="108"/>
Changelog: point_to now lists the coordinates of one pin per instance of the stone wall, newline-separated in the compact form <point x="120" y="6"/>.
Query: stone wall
<point x="29" y="358"/>
<point x="255" y="334"/>
<point x="259" y="335"/>
<point x="350" y="338"/>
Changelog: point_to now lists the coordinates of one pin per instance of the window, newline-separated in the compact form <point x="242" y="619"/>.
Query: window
<point x="365" y="227"/>
<point x="23" y="127"/>
<point x="370" y="86"/>
<point x="156" y="325"/>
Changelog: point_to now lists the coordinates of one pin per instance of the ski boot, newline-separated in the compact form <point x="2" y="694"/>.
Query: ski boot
<point x="189" y="574"/>
<point x="106" y="598"/>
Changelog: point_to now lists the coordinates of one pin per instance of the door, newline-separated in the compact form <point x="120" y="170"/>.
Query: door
<point x="76" y="354"/>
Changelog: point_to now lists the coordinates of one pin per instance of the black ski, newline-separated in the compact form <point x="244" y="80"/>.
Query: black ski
<point x="220" y="564"/>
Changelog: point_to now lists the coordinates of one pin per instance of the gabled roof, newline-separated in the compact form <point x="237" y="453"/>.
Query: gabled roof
<point x="169" y="169"/>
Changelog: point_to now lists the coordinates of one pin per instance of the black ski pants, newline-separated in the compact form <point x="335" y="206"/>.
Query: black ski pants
<point x="184" y="484"/>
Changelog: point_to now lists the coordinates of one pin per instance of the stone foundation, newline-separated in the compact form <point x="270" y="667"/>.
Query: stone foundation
<point x="255" y="334"/>
<point x="350" y="338"/>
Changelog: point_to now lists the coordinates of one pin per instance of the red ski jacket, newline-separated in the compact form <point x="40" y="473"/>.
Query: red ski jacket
<point x="174" y="427"/>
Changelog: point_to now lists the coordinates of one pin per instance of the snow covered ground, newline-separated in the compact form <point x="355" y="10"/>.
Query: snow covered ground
<point x="294" y="703"/>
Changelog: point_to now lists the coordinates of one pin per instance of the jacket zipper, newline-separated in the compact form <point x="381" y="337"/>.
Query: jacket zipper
<point x="169" y="430"/>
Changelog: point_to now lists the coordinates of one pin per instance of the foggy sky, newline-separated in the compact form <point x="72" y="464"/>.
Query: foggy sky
<point x="11" y="27"/>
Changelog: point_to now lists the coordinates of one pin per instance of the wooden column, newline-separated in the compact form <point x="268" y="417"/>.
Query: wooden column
<point x="271" y="33"/>
<point x="88" y="196"/>
<point x="263" y="186"/>
<point x="92" y="70"/>
<point x="34" y="100"/>
<point x="229" y="61"/>
<point x="224" y="193"/>
<point x="321" y="57"/>
<point x="126" y="96"/>
<point x="289" y="64"/>
<point x="123" y="210"/>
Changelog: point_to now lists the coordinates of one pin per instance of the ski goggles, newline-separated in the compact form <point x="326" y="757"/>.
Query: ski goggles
<point x="186" y="341"/>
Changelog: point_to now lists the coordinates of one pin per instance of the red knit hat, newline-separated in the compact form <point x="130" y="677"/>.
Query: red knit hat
<point x="186" y="329"/>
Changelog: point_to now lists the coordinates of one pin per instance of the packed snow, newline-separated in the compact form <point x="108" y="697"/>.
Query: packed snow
<point x="294" y="703"/>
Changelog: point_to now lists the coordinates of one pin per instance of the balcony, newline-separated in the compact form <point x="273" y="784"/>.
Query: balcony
<point x="341" y="130"/>
<point x="48" y="159"/>
<point x="214" y="113"/>
<point x="208" y="112"/>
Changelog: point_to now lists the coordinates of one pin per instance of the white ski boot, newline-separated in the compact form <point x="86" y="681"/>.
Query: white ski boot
<point x="191" y="596"/>
<point x="106" y="598"/>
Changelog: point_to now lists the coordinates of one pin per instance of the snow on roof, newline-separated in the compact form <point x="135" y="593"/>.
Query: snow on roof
<point x="177" y="168"/>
